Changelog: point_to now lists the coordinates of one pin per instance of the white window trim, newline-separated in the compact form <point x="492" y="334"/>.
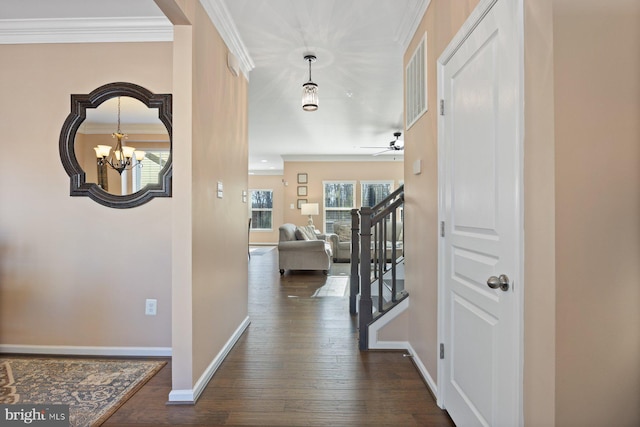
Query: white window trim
<point x="391" y="183"/>
<point x="261" y="209"/>
<point x="324" y="204"/>
<point x="135" y="175"/>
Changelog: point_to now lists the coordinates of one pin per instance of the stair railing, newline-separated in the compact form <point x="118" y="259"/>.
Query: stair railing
<point x="369" y="261"/>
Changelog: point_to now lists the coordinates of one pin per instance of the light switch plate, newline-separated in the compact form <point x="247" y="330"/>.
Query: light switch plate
<point x="417" y="167"/>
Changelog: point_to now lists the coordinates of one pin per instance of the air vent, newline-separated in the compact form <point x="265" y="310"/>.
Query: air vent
<point x="416" y="83"/>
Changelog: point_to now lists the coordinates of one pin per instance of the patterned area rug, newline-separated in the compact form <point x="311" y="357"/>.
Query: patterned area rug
<point x="93" y="388"/>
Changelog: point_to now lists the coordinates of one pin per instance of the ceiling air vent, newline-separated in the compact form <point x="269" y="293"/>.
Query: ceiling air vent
<point x="416" y="83"/>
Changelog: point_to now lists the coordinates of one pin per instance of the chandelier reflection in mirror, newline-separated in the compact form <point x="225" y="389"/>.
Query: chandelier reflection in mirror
<point x="310" y="89"/>
<point x="122" y="157"/>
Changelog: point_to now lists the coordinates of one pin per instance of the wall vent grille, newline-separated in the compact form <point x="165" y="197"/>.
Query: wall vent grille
<point x="416" y="83"/>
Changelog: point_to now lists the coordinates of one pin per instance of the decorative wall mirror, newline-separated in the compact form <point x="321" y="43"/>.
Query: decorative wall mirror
<point x="116" y="145"/>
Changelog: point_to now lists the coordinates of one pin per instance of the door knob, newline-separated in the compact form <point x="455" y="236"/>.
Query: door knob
<point x="501" y="282"/>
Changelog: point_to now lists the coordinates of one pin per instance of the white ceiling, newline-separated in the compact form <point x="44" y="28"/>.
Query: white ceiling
<point x="359" y="45"/>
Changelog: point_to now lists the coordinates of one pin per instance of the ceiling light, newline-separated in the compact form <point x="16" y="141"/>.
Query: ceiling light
<point x="310" y="89"/>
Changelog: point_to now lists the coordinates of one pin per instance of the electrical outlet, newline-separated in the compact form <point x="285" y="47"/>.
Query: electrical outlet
<point x="151" y="307"/>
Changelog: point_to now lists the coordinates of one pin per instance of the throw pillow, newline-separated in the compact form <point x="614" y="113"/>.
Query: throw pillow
<point x="344" y="234"/>
<point x="305" y="232"/>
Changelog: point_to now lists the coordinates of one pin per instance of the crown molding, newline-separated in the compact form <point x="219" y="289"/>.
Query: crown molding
<point x="396" y="157"/>
<point x="222" y="20"/>
<point x="131" y="128"/>
<point x="85" y="30"/>
<point x="410" y="22"/>
<point x="263" y="172"/>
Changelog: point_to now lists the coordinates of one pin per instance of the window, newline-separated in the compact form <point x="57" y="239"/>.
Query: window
<point x="373" y="192"/>
<point x="339" y="199"/>
<point x="152" y="164"/>
<point x="416" y="83"/>
<point x="261" y="209"/>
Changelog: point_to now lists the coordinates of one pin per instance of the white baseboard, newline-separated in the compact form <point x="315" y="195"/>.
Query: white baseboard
<point x="192" y="395"/>
<point x="423" y="371"/>
<point x="184" y="397"/>
<point x="375" y="344"/>
<point x="64" y="350"/>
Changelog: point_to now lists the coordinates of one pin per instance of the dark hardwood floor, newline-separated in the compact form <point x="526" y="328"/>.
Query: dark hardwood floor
<point x="297" y="364"/>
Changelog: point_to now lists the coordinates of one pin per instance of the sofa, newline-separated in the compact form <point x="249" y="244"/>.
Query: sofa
<point x="301" y="248"/>
<point x="341" y="241"/>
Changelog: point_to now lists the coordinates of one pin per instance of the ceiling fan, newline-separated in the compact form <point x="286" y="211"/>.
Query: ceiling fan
<point x="392" y="145"/>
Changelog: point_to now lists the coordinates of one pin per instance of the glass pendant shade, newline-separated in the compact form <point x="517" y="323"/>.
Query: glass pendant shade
<point x="309" y="96"/>
<point x="128" y="152"/>
<point x="310" y="89"/>
<point x="102" y="151"/>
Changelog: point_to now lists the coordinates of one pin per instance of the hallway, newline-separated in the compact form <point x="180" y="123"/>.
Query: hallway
<point x="297" y="364"/>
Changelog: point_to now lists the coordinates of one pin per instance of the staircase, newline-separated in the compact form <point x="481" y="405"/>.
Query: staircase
<point x="377" y="262"/>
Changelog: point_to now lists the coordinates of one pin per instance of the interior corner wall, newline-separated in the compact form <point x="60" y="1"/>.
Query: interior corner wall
<point x="210" y="270"/>
<point x="220" y="155"/>
<point x="442" y="20"/>
<point x="73" y="272"/>
<point x="539" y="217"/>
<point x="182" y="224"/>
<point x="597" y="136"/>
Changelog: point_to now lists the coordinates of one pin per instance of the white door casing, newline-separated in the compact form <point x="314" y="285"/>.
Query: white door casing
<point x="480" y="184"/>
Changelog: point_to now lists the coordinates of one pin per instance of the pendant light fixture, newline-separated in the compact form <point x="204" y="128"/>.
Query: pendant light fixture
<point x="121" y="158"/>
<point x="310" y="89"/>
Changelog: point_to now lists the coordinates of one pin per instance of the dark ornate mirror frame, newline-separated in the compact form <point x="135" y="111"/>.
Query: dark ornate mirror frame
<point x="79" y="105"/>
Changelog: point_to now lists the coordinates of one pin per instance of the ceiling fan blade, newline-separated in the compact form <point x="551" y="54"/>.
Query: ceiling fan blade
<point x="383" y="151"/>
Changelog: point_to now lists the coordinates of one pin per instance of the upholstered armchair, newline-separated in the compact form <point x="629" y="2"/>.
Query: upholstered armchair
<point x="341" y="241"/>
<point x="300" y="248"/>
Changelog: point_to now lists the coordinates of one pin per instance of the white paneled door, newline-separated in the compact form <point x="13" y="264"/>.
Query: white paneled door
<point x="480" y="193"/>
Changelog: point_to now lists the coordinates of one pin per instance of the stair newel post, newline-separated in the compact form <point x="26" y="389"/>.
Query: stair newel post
<point x="382" y="261"/>
<point x="354" y="284"/>
<point x="393" y="254"/>
<point x="365" y="315"/>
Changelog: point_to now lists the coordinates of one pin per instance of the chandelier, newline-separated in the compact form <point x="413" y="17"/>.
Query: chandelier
<point x="310" y="89"/>
<point x="121" y="158"/>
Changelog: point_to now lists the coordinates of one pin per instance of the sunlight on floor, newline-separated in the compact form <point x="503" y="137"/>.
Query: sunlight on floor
<point x="335" y="287"/>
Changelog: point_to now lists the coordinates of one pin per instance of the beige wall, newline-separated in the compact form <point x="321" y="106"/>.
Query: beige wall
<point x="539" y="219"/>
<point x="286" y="188"/>
<point x="220" y="154"/>
<point x="597" y="136"/>
<point x="210" y="146"/>
<point x="62" y="280"/>
<point x="441" y="22"/>
<point x="318" y="172"/>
